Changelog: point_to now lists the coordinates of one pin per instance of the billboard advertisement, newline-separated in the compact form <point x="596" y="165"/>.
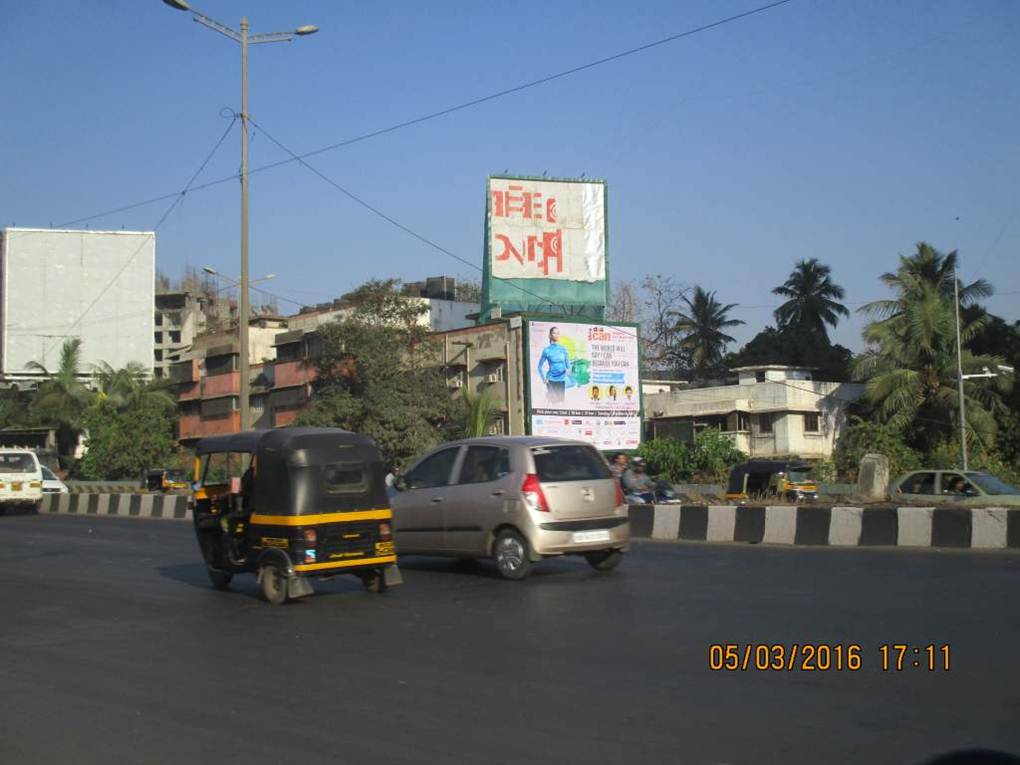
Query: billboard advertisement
<point x="546" y="246"/>
<point x="584" y="383"/>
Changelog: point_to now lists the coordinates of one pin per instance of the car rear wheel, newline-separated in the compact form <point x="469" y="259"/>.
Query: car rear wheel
<point x="604" y="560"/>
<point x="220" y="579"/>
<point x="274" y="585"/>
<point x="512" y="557"/>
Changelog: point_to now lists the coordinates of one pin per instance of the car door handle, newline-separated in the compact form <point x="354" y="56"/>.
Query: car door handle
<point x="499" y="493"/>
<point x="437" y="500"/>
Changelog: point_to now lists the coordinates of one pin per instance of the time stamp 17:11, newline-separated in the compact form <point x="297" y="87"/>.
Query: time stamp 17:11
<point x="826" y="657"/>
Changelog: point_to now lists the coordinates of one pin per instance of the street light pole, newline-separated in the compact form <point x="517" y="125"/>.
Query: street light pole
<point x="959" y="373"/>
<point x="245" y="312"/>
<point x="243" y="38"/>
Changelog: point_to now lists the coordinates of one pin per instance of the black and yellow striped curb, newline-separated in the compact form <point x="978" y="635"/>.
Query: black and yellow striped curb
<point x="164" y="506"/>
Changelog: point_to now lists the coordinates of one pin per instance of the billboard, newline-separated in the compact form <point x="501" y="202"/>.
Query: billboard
<point x="94" y="285"/>
<point x="545" y="246"/>
<point x="584" y="382"/>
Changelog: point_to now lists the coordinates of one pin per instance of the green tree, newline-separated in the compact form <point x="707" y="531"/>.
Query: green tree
<point x="812" y="299"/>
<point x="862" y="437"/>
<point x="121" y="442"/>
<point x="378" y="373"/>
<point x="794" y="346"/>
<point x="62" y="399"/>
<point x="130" y="386"/>
<point x="910" y="362"/>
<point x="700" y="329"/>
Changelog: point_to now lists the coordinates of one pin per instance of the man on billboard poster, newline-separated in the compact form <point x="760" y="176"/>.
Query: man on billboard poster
<point x="556" y="359"/>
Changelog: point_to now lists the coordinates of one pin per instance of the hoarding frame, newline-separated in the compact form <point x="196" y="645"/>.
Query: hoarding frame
<point x="526" y="372"/>
<point x="487" y="276"/>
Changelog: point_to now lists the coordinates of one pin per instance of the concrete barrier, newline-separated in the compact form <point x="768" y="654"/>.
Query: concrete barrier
<point x="122" y="505"/>
<point x="989" y="528"/>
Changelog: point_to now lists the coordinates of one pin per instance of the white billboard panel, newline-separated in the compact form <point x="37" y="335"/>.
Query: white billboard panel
<point x="547" y="230"/>
<point x="585" y="383"/>
<point x="93" y="285"/>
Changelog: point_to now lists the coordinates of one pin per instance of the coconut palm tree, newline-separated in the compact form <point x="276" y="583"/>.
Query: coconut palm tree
<point x="130" y="387"/>
<point x="62" y="398"/>
<point x="812" y="299"/>
<point x="910" y="362"/>
<point x="701" y="327"/>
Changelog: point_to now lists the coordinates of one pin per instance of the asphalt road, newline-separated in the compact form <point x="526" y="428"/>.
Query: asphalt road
<point x="114" y="649"/>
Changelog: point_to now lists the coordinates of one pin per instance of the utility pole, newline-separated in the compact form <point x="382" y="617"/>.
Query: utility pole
<point x="244" y="309"/>
<point x="959" y="373"/>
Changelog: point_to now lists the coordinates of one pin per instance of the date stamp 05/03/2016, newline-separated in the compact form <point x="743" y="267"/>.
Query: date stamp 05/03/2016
<point x="827" y="657"/>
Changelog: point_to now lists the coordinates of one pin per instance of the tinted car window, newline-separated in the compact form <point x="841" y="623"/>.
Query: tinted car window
<point x="569" y="463"/>
<point x="484" y="463"/>
<point x="991" y="484"/>
<point x="434" y="471"/>
<point x="17" y="463"/>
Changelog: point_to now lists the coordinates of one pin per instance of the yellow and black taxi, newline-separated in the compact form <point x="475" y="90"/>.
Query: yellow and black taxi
<point x="291" y="504"/>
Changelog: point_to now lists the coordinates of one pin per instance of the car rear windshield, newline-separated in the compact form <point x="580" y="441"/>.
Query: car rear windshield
<point x="17" y="463"/>
<point x="569" y="463"/>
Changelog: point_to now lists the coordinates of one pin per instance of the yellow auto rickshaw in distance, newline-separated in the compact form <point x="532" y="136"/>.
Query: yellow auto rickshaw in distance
<point x="291" y="504"/>
<point x="763" y="479"/>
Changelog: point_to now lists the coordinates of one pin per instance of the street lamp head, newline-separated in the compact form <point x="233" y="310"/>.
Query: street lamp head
<point x="210" y="270"/>
<point x="307" y="29"/>
<point x="180" y="5"/>
<point x="267" y="277"/>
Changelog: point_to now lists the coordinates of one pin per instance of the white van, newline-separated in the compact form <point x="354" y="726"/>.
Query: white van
<point x="20" y="479"/>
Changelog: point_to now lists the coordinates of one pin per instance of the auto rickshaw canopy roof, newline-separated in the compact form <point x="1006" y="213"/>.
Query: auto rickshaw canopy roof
<point x="737" y="473"/>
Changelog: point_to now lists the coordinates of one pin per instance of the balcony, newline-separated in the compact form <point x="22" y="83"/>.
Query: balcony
<point x="290" y="373"/>
<point x="221" y="385"/>
<point x="194" y="426"/>
<point x="189" y="391"/>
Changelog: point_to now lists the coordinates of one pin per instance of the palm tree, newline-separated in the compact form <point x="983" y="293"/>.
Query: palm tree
<point x="812" y="299"/>
<point x="479" y="413"/>
<point x="910" y="363"/>
<point x="62" y="398"/>
<point x="130" y="387"/>
<point x="701" y="330"/>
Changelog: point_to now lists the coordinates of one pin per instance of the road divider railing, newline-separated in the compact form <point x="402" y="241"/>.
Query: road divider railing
<point x="993" y="528"/>
<point x="163" y="506"/>
<point x="990" y="528"/>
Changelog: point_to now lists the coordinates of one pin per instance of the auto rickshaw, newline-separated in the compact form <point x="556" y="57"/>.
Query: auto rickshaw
<point x="762" y="479"/>
<point x="291" y="504"/>
<point x="165" y="480"/>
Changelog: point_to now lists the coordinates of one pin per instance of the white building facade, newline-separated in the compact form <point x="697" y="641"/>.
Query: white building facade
<point x="773" y="410"/>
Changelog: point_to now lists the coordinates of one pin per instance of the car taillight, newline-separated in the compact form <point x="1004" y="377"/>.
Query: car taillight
<point x="385" y="532"/>
<point x="620" y="499"/>
<point x="534" y="497"/>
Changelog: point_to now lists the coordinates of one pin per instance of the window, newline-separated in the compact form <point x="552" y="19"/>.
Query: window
<point x="159" y="319"/>
<point x="17" y="462"/>
<point x="159" y="338"/>
<point x="569" y="463"/>
<point x="991" y="484"/>
<point x="344" y="478"/>
<point x="159" y="355"/>
<point x="919" y="483"/>
<point x="743" y="421"/>
<point x="175" y="336"/>
<point x="759" y="376"/>
<point x="765" y="424"/>
<point x="434" y="471"/>
<point x="811" y="423"/>
<point x="955" y="484"/>
<point x="484" y="463"/>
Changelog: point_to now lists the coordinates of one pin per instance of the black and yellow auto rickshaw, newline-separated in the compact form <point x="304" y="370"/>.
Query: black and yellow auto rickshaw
<point x="165" y="480"/>
<point x="764" y="479"/>
<point x="290" y="504"/>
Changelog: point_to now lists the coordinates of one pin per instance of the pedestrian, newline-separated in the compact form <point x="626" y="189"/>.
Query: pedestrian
<point x="618" y="465"/>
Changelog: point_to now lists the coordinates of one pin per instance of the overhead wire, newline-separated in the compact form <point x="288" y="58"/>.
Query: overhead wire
<point x="179" y="197"/>
<point x="452" y="109"/>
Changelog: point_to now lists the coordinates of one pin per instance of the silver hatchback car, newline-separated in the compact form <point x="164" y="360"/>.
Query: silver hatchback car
<point x="517" y="499"/>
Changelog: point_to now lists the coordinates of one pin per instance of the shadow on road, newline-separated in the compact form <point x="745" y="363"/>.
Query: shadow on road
<point x="486" y="569"/>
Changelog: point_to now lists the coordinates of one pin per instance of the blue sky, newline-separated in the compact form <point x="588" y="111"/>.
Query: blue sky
<point x="843" y="131"/>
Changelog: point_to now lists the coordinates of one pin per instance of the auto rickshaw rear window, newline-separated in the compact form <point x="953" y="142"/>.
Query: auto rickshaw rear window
<point x="344" y="478"/>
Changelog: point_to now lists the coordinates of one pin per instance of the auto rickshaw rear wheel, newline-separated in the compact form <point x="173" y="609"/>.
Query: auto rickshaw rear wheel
<point x="375" y="581"/>
<point x="274" y="585"/>
<point x="220" y="579"/>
